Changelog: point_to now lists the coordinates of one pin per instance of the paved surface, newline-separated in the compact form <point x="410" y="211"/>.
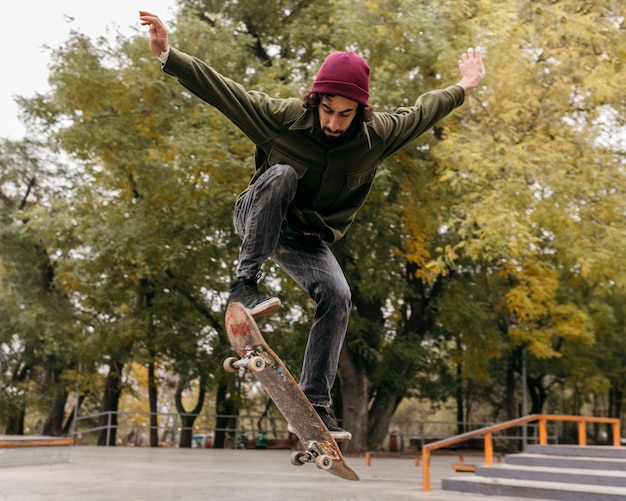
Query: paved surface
<point x="127" y="473"/>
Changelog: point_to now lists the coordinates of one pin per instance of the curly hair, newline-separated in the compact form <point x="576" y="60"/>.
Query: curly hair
<point x="312" y="100"/>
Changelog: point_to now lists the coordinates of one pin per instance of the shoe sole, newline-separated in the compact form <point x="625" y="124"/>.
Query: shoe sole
<point x="266" y="308"/>
<point x="341" y="437"/>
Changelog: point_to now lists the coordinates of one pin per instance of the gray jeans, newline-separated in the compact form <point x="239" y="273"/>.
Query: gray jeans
<point x="260" y="221"/>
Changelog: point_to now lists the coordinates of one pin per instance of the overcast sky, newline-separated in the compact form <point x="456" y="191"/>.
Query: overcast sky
<point x="30" y="25"/>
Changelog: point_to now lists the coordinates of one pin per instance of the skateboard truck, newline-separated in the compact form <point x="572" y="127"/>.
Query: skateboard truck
<point x="251" y="362"/>
<point x="313" y="454"/>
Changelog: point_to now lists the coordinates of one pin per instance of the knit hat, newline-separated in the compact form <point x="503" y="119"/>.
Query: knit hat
<point x="344" y="74"/>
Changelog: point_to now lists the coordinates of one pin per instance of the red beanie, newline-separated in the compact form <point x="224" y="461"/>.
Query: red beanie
<point x="344" y="74"/>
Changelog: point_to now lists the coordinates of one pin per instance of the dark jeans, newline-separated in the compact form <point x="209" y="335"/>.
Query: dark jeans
<point x="259" y="220"/>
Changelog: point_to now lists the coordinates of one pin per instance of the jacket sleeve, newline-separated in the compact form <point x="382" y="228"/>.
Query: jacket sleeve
<point x="399" y="128"/>
<point x="256" y="114"/>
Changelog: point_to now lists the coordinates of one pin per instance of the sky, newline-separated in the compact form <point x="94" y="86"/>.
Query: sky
<point x="28" y="26"/>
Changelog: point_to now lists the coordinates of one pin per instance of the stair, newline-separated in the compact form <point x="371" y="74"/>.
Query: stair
<point x="561" y="472"/>
<point x="18" y="450"/>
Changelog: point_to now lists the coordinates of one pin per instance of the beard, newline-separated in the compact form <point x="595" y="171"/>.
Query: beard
<point x="339" y="140"/>
<point x="333" y="134"/>
<point x="333" y="141"/>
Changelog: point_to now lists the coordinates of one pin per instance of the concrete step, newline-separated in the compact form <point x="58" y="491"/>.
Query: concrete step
<point x="576" y="451"/>
<point x="569" y="473"/>
<point x="577" y="462"/>
<point x="536" y="490"/>
<point x="544" y="474"/>
<point x="18" y="450"/>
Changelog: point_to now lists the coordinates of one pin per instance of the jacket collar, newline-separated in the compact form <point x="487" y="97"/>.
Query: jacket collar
<point x="306" y="121"/>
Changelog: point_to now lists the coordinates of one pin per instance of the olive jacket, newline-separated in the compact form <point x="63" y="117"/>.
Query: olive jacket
<point x="333" y="182"/>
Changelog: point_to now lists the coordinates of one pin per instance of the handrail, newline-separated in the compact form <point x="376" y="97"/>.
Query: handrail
<point x="487" y="433"/>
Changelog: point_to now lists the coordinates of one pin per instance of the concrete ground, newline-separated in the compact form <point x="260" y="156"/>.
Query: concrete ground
<point x="127" y="473"/>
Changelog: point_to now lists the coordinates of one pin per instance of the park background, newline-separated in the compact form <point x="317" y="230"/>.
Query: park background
<point x="486" y="266"/>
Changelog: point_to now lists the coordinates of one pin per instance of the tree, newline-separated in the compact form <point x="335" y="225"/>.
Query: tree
<point x="539" y="192"/>
<point x="152" y="248"/>
<point x="498" y="233"/>
<point x="38" y="330"/>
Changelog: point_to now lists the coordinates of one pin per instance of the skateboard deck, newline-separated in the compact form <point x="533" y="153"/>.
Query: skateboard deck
<point x="255" y="355"/>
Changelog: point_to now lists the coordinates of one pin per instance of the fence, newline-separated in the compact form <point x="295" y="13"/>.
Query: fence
<point x="133" y="428"/>
<point x="416" y="434"/>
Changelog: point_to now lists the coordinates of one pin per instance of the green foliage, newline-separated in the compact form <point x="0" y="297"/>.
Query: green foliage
<point x="502" y="229"/>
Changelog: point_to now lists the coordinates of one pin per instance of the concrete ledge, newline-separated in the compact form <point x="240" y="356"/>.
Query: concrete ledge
<point x="19" y="450"/>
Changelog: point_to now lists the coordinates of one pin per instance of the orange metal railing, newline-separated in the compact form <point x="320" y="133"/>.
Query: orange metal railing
<point x="488" y="431"/>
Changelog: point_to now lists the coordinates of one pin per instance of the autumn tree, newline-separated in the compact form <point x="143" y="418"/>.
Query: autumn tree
<point x="539" y="188"/>
<point x="498" y="233"/>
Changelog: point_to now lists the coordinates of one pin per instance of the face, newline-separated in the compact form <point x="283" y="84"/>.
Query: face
<point x="336" y="114"/>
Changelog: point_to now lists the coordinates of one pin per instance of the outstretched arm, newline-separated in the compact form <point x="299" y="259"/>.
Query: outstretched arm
<point x="158" y="32"/>
<point x="472" y="69"/>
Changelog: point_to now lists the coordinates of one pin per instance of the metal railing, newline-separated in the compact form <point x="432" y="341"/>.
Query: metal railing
<point x="408" y="435"/>
<point x="170" y="425"/>
<point x="488" y="431"/>
<point x="416" y="434"/>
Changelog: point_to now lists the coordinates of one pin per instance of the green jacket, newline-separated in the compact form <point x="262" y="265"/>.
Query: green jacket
<point x="333" y="183"/>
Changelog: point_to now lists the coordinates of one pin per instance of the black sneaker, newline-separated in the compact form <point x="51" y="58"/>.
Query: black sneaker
<point x="244" y="291"/>
<point x="337" y="433"/>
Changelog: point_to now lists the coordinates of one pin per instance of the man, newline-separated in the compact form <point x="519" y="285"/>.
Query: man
<point x="316" y="158"/>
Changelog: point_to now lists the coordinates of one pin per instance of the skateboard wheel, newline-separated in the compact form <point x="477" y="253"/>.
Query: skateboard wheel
<point x="296" y="458"/>
<point x="256" y="364"/>
<point x="229" y="364"/>
<point x="323" y="462"/>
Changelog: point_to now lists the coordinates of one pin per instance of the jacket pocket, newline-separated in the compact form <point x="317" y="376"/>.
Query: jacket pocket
<point x="356" y="179"/>
<point x="277" y="156"/>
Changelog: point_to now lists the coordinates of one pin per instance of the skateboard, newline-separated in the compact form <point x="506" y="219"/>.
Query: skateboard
<point x="256" y="356"/>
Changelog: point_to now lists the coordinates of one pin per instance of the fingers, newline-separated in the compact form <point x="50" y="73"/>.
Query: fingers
<point x="157" y="28"/>
<point x="472" y="54"/>
<point x="472" y="69"/>
<point x="471" y="58"/>
<point x="147" y="18"/>
<point x="158" y="32"/>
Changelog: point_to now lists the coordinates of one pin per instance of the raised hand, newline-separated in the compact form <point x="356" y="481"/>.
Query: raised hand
<point x="158" y="32"/>
<point x="472" y="69"/>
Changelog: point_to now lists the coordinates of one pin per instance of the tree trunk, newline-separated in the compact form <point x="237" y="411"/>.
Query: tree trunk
<point x="354" y="389"/>
<point x="153" y="405"/>
<point x="538" y="394"/>
<point x="460" y="414"/>
<point x="67" y="426"/>
<point x="225" y="409"/>
<point x="511" y="385"/>
<point x="110" y="404"/>
<point x="188" y="418"/>
<point x="16" y="410"/>
<point x="186" y="432"/>
<point x="353" y="367"/>
<point x="616" y="397"/>
<point x="15" y="420"/>
<point x="53" y="426"/>
<point x="380" y="417"/>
